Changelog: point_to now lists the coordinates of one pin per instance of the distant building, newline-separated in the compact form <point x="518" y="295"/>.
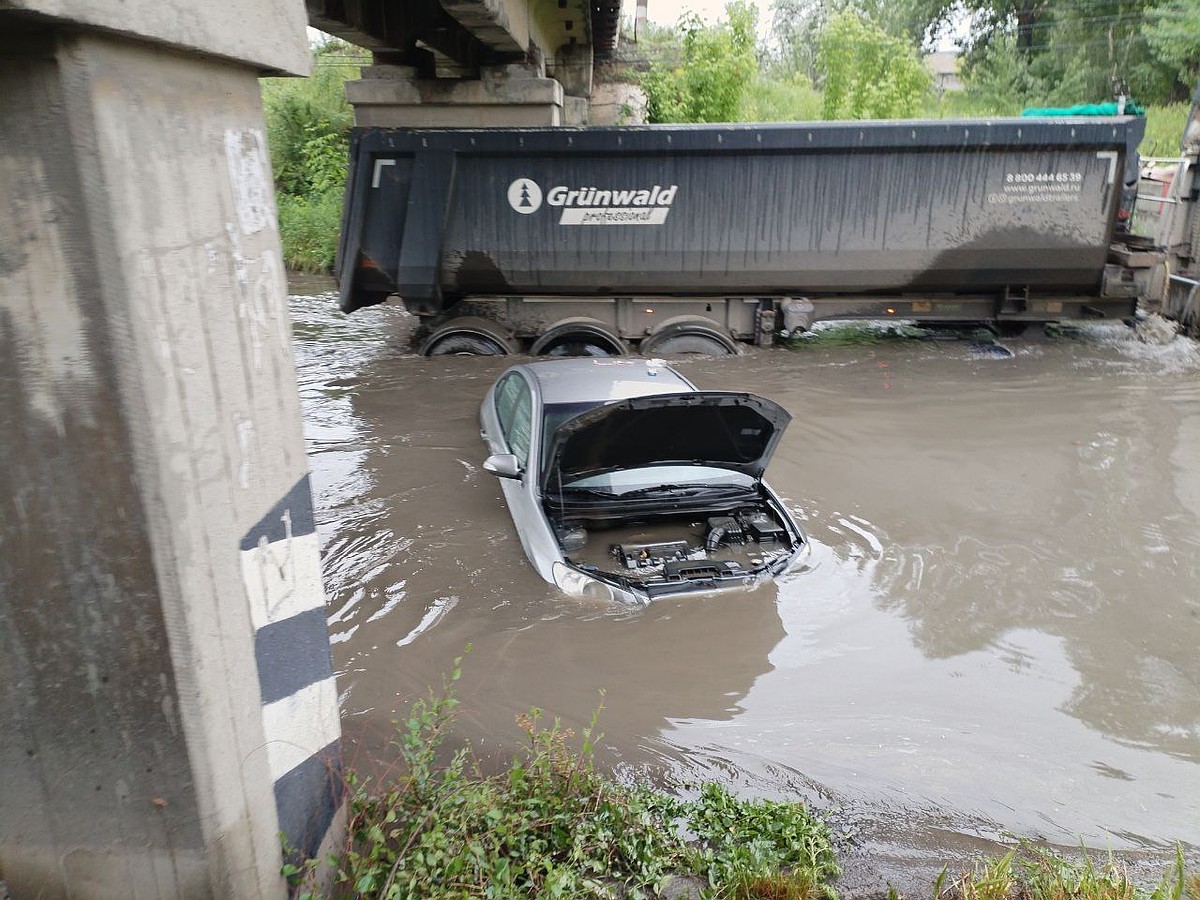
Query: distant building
<point x="944" y="66"/>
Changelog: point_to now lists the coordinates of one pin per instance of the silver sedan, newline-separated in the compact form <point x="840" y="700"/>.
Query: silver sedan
<point x="626" y="482"/>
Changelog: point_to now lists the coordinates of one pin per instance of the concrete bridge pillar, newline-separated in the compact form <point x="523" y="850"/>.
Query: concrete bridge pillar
<point x="166" y="695"/>
<point x="514" y="95"/>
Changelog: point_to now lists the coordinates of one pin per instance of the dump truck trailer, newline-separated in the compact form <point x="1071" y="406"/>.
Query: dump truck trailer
<point x="677" y="239"/>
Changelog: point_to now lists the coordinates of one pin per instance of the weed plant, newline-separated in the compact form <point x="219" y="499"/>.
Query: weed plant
<point x="1035" y="873"/>
<point x="758" y="848"/>
<point x="1164" y="130"/>
<point x="553" y="825"/>
<point x="309" y="228"/>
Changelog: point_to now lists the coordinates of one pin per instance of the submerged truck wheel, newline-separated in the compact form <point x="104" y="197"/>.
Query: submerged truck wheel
<point x="469" y="336"/>
<point x="689" y="337"/>
<point x="1011" y="328"/>
<point x="579" y="337"/>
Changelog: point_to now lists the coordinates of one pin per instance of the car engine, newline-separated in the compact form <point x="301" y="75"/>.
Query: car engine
<point x="742" y="542"/>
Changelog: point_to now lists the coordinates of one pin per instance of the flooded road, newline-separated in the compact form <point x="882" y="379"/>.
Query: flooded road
<point x="999" y="631"/>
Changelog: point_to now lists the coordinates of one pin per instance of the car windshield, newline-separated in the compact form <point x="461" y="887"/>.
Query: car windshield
<point x="554" y="414"/>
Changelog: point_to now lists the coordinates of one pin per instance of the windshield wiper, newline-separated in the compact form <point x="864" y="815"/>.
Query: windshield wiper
<point x="690" y="490"/>
<point x="590" y="492"/>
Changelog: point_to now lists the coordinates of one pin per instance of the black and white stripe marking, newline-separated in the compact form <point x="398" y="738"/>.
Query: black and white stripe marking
<point x="281" y="568"/>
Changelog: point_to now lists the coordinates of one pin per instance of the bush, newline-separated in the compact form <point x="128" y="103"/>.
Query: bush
<point x="717" y="64"/>
<point x="748" y="843"/>
<point x="552" y="825"/>
<point x="308" y="228"/>
<point x="791" y="99"/>
<point x="867" y="73"/>
<point x="308" y="127"/>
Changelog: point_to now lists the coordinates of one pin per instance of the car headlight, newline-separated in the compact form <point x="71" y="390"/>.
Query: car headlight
<point x="577" y="584"/>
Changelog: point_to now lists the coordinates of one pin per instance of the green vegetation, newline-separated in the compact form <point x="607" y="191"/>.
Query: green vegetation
<point x="553" y="825"/>
<point x="861" y="59"/>
<point x="867" y="73"/>
<point x="309" y="227"/>
<point x="1033" y="873"/>
<point x="308" y="127"/>
<point x="1164" y="129"/>
<point x="707" y="81"/>
<point x="787" y="99"/>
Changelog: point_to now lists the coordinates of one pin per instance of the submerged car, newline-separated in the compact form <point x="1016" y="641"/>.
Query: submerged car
<point x="627" y="482"/>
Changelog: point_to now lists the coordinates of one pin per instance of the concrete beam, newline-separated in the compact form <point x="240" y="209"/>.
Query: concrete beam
<point x="394" y="28"/>
<point x="503" y="96"/>
<point x="259" y="34"/>
<point x="165" y="677"/>
<point x="489" y="21"/>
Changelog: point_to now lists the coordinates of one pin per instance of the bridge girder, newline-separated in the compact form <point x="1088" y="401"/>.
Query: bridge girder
<point x="468" y="32"/>
<point x="397" y="30"/>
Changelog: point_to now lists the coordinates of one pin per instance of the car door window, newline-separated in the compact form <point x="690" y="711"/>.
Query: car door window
<point x="514" y="409"/>
<point x="506" y="398"/>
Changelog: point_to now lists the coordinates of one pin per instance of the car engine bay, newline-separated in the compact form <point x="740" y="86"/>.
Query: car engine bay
<point x="675" y="549"/>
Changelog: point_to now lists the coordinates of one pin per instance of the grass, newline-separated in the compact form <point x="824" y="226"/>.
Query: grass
<point x="780" y="100"/>
<point x="553" y="825"/>
<point x="309" y="228"/>
<point x="1035" y="873"/>
<point x="1164" y="130"/>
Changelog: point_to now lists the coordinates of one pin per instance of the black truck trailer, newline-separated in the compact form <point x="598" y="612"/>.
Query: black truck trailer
<point x="675" y="239"/>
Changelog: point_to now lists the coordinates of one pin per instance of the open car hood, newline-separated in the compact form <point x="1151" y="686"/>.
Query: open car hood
<point x="712" y="428"/>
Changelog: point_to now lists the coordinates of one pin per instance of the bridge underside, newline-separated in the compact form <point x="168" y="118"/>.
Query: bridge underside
<point x="472" y="62"/>
<point x="469" y="33"/>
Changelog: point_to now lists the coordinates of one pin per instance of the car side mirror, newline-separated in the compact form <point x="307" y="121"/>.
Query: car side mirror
<point x="503" y="465"/>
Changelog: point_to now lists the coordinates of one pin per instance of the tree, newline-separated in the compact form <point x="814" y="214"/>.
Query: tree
<point x="308" y="121"/>
<point x="718" y="62"/>
<point x="1065" y="53"/>
<point x="796" y="26"/>
<point x="868" y="74"/>
<point x="916" y="22"/>
<point x="1172" y="31"/>
<point x="308" y="126"/>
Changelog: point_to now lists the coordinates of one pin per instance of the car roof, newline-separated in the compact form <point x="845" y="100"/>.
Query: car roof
<point x="597" y="380"/>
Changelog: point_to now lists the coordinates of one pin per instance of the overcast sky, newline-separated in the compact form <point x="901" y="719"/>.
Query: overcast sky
<point x="667" y="12"/>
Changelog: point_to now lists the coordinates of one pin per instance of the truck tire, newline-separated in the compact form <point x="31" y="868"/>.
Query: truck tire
<point x="1011" y="328"/>
<point x="698" y="337"/>
<point x="579" y="337"/>
<point x="469" y="336"/>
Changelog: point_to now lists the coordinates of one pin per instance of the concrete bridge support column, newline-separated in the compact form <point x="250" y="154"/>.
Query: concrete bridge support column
<point x="503" y="96"/>
<point x="165" y="686"/>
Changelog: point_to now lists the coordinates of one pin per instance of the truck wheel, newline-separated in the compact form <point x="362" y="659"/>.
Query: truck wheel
<point x="1011" y="328"/>
<point x="465" y="345"/>
<point x="468" y="336"/>
<point x="689" y="339"/>
<point x="579" y="337"/>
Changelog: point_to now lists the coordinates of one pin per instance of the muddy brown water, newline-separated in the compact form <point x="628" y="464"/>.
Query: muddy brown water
<point x="998" y="633"/>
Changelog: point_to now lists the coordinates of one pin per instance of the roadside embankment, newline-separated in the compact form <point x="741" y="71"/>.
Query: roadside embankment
<point x="551" y="824"/>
